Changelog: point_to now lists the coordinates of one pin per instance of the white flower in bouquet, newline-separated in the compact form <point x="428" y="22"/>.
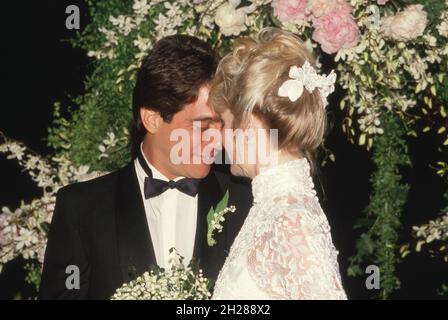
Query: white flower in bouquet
<point x="405" y="25"/>
<point x="177" y="282"/>
<point x="232" y="21"/>
<point x="442" y="28"/>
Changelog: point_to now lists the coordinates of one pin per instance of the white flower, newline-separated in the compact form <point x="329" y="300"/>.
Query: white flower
<point x="434" y="230"/>
<point x="417" y="67"/>
<point x="16" y="151"/>
<point x="166" y="25"/>
<point x="431" y="40"/>
<point x="111" y="37"/>
<point x="442" y="28"/>
<point x="307" y="77"/>
<point x="141" y="7"/>
<point x="32" y="162"/>
<point x="111" y="140"/>
<point x="25" y="238"/>
<point x="125" y="24"/>
<point x="215" y="223"/>
<point x="405" y="25"/>
<point x="350" y="54"/>
<point x="232" y="21"/>
<point x="143" y="44"/>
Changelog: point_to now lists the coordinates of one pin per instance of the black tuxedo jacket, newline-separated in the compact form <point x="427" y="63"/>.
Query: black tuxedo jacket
<point x="100" y="226"/>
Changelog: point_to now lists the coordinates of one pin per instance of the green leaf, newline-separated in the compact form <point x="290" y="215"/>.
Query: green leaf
<point x="223" y="203"/>
<point x="210" y="239"/>
<point x="210" y="215"/>
<point x="354" y="271"/>
<point x="365" y="245"/>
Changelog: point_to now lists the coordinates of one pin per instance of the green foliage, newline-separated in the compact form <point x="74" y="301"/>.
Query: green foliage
<point x="378" y="244"/>
<point x="33" y="277"/>
<point x="104" y="108"/>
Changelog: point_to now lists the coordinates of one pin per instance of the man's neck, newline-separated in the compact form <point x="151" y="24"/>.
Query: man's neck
<point x="153" y="160"/>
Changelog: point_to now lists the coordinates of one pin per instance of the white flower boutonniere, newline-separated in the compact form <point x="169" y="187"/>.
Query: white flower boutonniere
<point x="216" y="216"/>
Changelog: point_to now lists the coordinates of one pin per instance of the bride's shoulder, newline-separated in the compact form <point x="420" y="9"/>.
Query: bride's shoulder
<point x="292" y="206"/>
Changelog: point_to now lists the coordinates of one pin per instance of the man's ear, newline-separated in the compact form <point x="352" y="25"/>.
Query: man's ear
<point x="151" y="120"/>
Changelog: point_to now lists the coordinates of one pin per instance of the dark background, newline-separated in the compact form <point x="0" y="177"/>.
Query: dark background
<point x="39" y="68"/>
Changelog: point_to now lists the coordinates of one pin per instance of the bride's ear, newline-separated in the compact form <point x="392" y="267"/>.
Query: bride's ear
<point x="150" y="119"/>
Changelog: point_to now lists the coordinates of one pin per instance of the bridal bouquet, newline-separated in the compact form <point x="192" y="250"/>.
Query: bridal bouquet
<point x="177" y="282"/>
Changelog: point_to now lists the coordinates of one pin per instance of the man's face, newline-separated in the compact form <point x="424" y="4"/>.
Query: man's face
<point x="187" y="139"/>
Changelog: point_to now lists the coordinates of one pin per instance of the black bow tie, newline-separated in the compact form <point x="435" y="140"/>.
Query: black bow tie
<point x="154" y="187"/>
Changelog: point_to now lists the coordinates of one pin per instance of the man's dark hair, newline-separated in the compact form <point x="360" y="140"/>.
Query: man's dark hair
<point x="170" y="78"/>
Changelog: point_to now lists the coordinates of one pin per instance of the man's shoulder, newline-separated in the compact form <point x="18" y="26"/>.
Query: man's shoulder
<point x="95" y="188"/>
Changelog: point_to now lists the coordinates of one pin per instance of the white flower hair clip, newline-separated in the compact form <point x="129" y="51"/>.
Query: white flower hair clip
<point x="307" y="77"/>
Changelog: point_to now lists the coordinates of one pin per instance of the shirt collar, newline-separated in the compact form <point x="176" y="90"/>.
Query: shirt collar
<point x="156" y="174"/>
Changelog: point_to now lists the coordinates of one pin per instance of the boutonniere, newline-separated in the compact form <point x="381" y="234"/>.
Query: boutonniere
<point x="216" y="216"/>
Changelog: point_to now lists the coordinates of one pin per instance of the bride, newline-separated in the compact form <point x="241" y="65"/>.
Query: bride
<point x="284" y="249"/>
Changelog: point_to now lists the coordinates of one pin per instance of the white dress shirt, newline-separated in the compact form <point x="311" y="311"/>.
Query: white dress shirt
<point x="171" y="218"/>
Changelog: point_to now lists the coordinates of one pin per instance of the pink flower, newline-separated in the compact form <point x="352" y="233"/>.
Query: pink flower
<point x="290" y="10"/>
<point x="382" y="2"/>
<point x="335" y="30"/>
<point x="320" y="8"/>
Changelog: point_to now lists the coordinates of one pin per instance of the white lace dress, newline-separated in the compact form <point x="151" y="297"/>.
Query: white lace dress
<point x="284" y="249"/>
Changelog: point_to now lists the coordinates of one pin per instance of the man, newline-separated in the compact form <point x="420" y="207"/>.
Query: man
<point x="111" y="229"/>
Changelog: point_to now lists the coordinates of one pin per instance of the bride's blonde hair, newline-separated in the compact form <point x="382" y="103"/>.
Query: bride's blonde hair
<point x="247" y="82"/>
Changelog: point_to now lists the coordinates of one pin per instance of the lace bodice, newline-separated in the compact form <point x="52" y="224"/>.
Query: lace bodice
<point x="284" y="249"/>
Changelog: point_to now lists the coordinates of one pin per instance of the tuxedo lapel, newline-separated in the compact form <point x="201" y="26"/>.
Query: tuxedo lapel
<point x="134" y="242"/>
<point x="210" y="193"/>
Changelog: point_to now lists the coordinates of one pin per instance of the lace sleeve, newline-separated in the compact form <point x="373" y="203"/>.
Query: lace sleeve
<point x="294" y="258"/>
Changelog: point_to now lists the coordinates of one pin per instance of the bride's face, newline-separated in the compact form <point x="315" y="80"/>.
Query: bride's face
<point x="249" y="147"/>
